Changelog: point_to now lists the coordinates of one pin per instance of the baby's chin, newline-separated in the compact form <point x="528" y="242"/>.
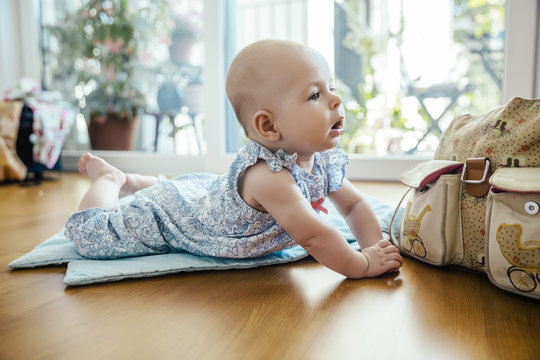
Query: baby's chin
<point x="333" y="144"/>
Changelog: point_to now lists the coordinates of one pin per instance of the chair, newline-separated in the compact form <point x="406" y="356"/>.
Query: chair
<point x="173" y="99"/>
<point x="450" y="90"/>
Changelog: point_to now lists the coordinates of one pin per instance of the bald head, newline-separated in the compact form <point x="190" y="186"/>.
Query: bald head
<point x="258" y="75"/>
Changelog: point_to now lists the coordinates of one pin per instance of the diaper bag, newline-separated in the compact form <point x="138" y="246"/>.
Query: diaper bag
<point x="477" y="204"/>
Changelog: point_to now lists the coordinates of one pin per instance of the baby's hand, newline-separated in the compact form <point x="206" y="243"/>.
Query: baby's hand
<point x="382" y="257"/>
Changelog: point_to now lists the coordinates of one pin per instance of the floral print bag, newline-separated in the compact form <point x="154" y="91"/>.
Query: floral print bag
<point x="476" y="205"/>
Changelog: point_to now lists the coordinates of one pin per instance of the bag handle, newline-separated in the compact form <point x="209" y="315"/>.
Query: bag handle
<point x="394" y="216"/>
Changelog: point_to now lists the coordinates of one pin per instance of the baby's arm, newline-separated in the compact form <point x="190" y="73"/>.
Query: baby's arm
<point x="278" y="194"/>
<point x="358" y="214"/>
<point x="362" y="222"/>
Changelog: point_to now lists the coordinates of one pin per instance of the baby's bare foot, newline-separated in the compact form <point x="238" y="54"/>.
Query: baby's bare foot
<point x="95" y="167"/>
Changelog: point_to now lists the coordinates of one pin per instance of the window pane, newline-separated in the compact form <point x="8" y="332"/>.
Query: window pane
<point x="114" y="55"/>
<point x="405" y="68"/>
<point x="422" y="64"/>
<point x="251" y="20"/>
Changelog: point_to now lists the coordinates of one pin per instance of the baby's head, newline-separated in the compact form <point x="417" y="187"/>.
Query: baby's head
<point x="275" y="77"/>
<point x="256" y="76"/>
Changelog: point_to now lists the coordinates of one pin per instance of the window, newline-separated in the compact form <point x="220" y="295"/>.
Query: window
<point x="401" y="83"/>
<point x="385" y="141"/>
<point x="405" y="68"/>
<point x="108" y="56"/>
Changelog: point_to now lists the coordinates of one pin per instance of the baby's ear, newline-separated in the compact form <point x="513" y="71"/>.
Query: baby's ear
<point x="263" y="123"/>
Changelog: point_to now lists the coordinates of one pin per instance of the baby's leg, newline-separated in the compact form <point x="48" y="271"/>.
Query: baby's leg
<point x="109" y="183"/>
<point x="136" y="182"/>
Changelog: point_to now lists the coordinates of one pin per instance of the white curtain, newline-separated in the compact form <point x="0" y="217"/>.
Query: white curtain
<point x="19" y="42"/>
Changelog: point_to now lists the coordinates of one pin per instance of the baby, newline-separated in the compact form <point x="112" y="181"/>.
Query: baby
<point x="284" y="96"/>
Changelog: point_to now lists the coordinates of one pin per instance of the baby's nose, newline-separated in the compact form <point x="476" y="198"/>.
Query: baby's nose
<point x="336" y="101"/>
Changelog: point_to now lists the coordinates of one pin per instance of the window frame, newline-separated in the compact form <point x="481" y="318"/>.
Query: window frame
<point x="521" y="78"/>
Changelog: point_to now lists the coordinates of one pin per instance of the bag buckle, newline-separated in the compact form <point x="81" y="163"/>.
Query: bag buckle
<point x="475" y="176"/>
<point x="472" y="181"/>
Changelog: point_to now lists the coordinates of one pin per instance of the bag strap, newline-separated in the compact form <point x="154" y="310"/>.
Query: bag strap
<point x="394" y="216"/>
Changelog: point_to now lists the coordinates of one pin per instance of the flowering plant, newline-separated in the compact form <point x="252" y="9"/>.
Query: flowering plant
<point x="99" y="45"/>
<point x="186" y="25"/>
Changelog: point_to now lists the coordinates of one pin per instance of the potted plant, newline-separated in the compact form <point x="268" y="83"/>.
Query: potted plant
<point x="100" y="45"/>
<point x="185" y="32"/>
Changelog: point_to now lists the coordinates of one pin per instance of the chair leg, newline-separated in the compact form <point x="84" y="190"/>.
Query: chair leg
<point x="158" y="117"/>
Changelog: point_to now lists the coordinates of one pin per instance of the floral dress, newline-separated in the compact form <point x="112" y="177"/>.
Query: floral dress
<point x="202" y="213"/>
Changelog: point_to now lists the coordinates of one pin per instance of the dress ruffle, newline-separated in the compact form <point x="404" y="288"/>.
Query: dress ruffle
<point x="335" y="161"/>
<point x="327" y="175"/>
<point x="275" y="161"/>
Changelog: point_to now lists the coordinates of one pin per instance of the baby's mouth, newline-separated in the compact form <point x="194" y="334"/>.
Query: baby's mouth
<point x="338" y="125"/>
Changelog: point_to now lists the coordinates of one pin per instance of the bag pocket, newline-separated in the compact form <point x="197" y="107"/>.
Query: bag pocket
<point x="513" y="230"/>
<point x="431" y="228"/>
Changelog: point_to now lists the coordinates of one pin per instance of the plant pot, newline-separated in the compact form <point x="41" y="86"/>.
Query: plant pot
<point x="113" y="131"/>
<point x="180" y="49"/>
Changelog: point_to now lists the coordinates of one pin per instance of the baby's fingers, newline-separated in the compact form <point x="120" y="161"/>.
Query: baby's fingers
<point x="393" y="265"/>
<point x="387" y="247"/>
<point x="393" y="261"/>
<point x="394" y="255"/>
<point x="383" y="243"/>
<point x="391" y="250"/>
<point x="394" y="269"/>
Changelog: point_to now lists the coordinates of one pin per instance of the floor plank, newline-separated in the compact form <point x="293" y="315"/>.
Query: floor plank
<point x="294" y="311"/>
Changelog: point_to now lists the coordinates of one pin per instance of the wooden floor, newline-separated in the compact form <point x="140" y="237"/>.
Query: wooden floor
<point x="295" y="311"/>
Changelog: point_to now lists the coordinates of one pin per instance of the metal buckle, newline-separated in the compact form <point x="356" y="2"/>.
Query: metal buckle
<point x="484" y="177"/>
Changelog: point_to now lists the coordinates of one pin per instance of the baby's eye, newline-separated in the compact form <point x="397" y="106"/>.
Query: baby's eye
<point x="333" y="90"/>
<point x="315" y="96"/>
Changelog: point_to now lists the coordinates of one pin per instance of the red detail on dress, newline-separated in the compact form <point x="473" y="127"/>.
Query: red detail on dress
<point x="318" y="205"/>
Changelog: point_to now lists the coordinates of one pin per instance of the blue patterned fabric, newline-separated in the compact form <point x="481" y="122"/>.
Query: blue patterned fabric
<point x="80" y="271"/>
<point x="201" y="214"/>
